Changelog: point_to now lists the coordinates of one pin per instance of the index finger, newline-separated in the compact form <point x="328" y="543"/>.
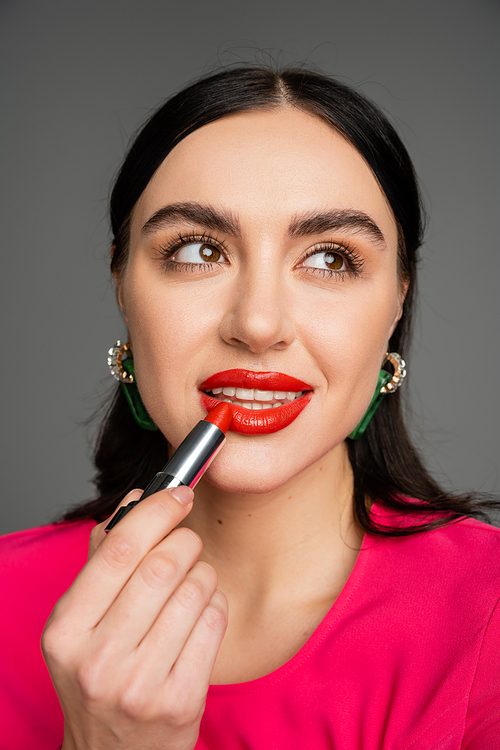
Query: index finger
<point x="119" y="554"/>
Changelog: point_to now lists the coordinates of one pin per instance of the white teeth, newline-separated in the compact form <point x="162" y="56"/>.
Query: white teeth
<point x="254" y="395"/>
<point x="254" y="405"/>
<point x="245" y="394"/>
<point x="264" y="395"/>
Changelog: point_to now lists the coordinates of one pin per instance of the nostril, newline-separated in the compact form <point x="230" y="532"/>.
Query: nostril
<point x="257" y="327"/>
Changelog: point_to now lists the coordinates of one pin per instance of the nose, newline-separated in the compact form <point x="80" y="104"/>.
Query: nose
<point x="258" y="316"/>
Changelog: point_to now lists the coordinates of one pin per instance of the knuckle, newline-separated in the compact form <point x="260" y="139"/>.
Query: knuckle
<point x="180" y="719"/>
<point x="181" y="710"/>
<point x="134" y="702"/>
<point x="160" y="569"/>
<point x="214" y="617"/>
<point x="96" y="675"/>
<point x="117" y="552"/>
<point x="50" y="643"/>
<point x="88" y="677"/>
<point x="87" y="683"/>
<point x="94" y="534"/>
<point x="166" y="507"/>
<point x="55" y="638"/>
<point x="191" y="593"/>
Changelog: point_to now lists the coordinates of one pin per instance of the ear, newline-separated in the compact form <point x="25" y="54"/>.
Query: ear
<point x="404" y="284"/>
<point x="118" y="281"/>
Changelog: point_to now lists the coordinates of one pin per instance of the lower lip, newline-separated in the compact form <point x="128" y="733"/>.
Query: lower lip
<point x="261" y="422"/>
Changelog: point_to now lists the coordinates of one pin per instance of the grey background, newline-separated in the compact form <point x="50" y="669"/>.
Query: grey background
<point x="78" y="77"/>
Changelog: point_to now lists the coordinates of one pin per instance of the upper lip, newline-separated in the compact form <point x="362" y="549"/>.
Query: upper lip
<point x="264" y="381"/>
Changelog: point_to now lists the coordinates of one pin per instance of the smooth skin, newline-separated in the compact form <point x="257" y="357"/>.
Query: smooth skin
<point x="134" y="644"/>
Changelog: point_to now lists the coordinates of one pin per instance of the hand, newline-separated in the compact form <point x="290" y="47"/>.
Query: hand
<point x="132" y="644"/>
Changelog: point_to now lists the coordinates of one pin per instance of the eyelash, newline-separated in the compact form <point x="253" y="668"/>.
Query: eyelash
<point x="181" y="240"/>
<point x="351" y="256"/>
<point x="349" y="253"/>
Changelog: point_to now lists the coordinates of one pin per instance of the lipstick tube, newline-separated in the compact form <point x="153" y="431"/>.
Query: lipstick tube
<point x="191" y="459"/>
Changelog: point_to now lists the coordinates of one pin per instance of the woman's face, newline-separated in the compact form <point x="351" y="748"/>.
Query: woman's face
<point x="263" y="243"/>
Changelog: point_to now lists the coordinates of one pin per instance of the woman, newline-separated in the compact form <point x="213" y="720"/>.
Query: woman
<point x="266" y="228"/>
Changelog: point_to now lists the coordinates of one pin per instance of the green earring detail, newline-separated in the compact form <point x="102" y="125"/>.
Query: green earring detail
<point x="121" y="366"/>
<point x="386" y="383"/>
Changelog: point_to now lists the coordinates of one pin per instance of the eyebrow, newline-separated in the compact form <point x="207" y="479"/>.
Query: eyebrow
<point x="193" y="213"/>
<point x="327" y="221"/>
<point x="316" y="222"/>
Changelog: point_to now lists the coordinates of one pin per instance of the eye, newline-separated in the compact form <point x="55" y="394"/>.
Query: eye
<point x="197" y="252"/>
<point x="327" y="260"/>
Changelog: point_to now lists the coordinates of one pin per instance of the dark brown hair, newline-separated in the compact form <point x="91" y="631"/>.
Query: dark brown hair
<point x="386" y="465"/>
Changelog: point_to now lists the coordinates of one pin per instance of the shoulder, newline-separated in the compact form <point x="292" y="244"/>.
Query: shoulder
<point x="467" y="541"/>
<point x="38" y="565"/>
<point x="457" y="566"/>
<point x="434" y="597"/>
<point x="44" y="544"/>
<point x="478" y="537"/>
<point x="467" y="538"/>
<point x="467" y="553"/>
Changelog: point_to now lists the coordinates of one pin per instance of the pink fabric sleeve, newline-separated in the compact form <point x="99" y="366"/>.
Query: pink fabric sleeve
<point x="482" y="727"/>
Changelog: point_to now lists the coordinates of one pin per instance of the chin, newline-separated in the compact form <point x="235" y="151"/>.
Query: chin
<point x="240" y="477"/>
<point x="256" y="475"/>
<point x="247" y="485"/>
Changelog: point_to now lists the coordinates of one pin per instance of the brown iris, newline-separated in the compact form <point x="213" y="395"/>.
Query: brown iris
<point x="334" y="261"/>
<point x="209" y="253"/>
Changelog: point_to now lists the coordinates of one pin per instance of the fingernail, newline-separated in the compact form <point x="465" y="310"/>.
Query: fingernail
<point x="183" y="495"/>
<point x="132" y="495"/>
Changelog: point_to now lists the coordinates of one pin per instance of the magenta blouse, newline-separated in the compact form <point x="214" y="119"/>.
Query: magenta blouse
<point x="408" y="657"/>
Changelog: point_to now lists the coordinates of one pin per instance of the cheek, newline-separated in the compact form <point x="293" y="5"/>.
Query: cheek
<point x="348" y="337"/>
<point x="352" y="325"/>
<point x="171" y="334"/>
<point x="162" y="317"/>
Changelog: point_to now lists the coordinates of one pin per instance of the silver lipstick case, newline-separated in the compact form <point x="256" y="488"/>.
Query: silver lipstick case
<point x="191" y="459"/>
<point x="188" y="464"/>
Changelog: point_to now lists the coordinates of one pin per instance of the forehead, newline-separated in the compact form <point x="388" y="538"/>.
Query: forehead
<point x="266" y="166"/>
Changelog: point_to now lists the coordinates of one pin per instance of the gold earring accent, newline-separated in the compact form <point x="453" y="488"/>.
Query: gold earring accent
<point x="115" y="356"/>
<point x="399" y="372"/>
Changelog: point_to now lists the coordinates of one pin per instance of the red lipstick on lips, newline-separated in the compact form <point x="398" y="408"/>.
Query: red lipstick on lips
<point x="264" y="421"/>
